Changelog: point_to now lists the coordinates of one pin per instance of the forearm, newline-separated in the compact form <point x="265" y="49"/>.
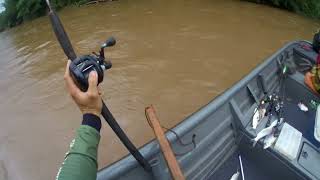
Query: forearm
<point x="81" y="160"/>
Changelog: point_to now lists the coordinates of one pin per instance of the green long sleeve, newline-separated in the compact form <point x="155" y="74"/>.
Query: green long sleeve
<point x="81" y="161"/>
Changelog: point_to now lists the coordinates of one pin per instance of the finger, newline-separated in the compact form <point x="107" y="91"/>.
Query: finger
<point x="67" y="67"/>
<point x="100" y="91"/>
<point x="72" y="87"/>
<point x="93" y="82"/>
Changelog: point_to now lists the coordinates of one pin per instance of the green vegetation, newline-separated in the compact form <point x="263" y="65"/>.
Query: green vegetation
<point x="309" y="8"/>
<point x="17" y="11"/>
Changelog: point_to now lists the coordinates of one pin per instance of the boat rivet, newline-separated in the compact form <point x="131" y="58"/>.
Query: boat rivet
<point x="154" y="162"/>
<point x="304" y="154"/>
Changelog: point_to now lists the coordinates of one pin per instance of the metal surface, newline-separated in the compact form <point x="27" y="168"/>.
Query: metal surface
<point x="309" y="159"/>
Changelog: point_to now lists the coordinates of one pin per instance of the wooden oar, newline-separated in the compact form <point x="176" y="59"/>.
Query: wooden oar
<point x="171" y="160"/>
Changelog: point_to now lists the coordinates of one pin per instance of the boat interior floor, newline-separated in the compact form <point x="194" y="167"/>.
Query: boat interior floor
<point x="250" y="168"/>
<point x="302" y="121"/>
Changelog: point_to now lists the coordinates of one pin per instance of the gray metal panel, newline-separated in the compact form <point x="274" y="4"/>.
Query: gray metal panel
<point x="309" y="159"/>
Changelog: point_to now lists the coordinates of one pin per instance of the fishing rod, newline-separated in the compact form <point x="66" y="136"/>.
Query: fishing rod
<point x="80" y="68"/>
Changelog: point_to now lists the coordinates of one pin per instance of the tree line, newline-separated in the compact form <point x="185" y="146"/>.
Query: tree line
<point x="17" y="11"/>
<point x="310" y="8"/>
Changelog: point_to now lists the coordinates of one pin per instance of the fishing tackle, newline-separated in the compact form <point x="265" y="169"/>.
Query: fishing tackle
<point x="83" y="65"/>
<point x="303" y="107"/>
<point x="255" y="118"/>
<point x="258" y="116"/>
<point x="235" y="176"/>
<point x="264" y="132"/>
<point x="241" y="167"/>
<point x="80" y="68"/>
<point x="269" y="140"/>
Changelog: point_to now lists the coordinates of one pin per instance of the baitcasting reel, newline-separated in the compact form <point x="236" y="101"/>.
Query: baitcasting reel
<point x="81" y="67"/>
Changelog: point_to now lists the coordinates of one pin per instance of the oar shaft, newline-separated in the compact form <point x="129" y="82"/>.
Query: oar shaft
<point x="165" y="146"/>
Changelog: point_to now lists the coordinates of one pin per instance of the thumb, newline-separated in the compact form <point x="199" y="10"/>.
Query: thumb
<point x="93" y="82"/>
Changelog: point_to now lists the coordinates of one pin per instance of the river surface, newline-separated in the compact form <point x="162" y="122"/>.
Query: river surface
<point x="177" y="55"/>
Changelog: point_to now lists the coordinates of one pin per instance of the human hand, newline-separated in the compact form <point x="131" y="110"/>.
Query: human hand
<point x="90" y="101"/>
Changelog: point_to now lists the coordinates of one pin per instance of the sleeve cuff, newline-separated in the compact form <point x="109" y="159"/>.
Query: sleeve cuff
<point x="92" y="121"/>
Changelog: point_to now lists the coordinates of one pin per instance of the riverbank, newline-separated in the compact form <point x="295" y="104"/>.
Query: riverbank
<point x="309" y="8"/>
<point x="18" y="11"/>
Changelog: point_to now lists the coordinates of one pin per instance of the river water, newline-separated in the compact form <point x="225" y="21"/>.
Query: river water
<point x="176" y="55"/>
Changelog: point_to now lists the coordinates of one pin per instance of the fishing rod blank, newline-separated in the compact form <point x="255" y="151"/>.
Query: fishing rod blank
<point x="61" y="34"/>
<point x="241" y="167"/>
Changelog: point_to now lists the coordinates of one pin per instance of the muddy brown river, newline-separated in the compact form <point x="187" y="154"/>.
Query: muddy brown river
<point x="177" y="55"/>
